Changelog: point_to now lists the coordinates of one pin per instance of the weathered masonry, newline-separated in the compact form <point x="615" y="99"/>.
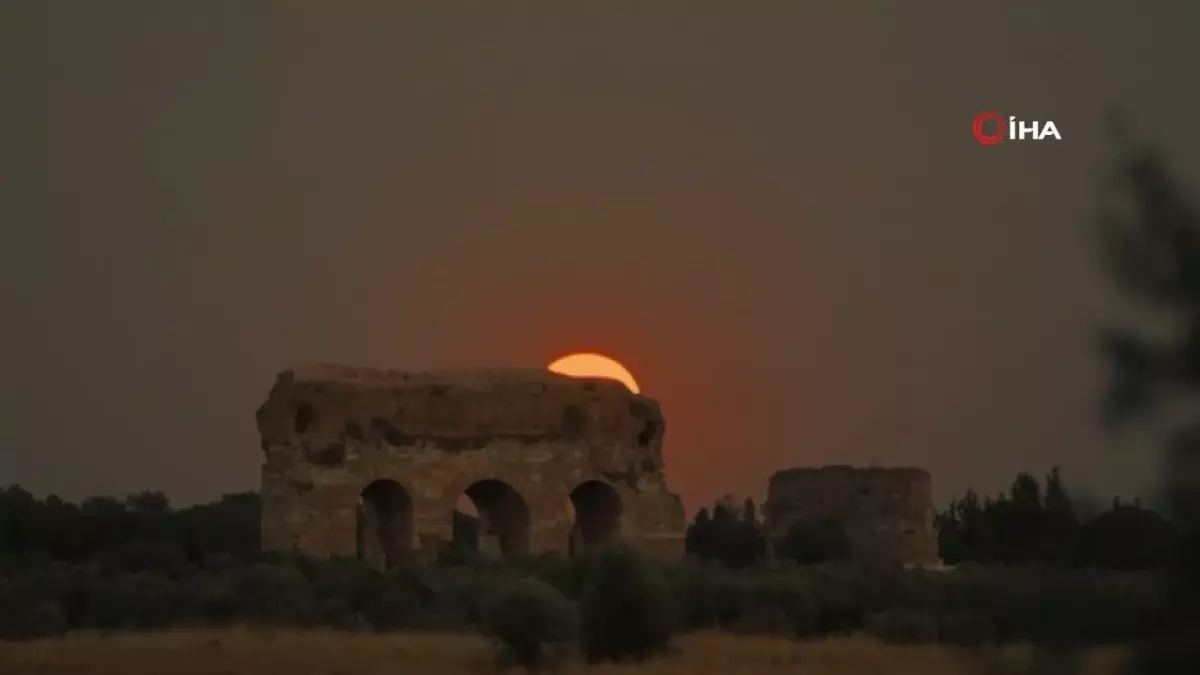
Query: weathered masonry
<point x="887" y="514"/>
<point x="372" y="463"/>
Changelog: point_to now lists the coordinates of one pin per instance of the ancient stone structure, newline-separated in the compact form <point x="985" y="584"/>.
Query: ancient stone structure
<point x="887" y="514"/>
<point x="373" y="463"/>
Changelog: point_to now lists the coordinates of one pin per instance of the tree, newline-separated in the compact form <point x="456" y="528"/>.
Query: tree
<point x="978" y="538"/>
<point x="626" y="608"/>
<point x="811" y="542"/>
<point x="729" y="535"/>
<point x="698" y="535"/>
<point x="139" y="525"/>
<point x="1126" y="537"/>
<point x="1018" y="520"/>
<point x="1060" y="541"/>
<point x="1150" y="232"/>
<point x="753" y="545"/>
<point x="1035" y="524"/>
<point x="750" y="513"/>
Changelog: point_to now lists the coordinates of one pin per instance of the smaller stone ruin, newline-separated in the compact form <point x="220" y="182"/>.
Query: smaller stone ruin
<point x="887" y="514"/>
<point x="375" y="464"/>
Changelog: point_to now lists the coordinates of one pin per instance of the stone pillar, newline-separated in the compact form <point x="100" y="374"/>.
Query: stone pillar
<point x="433" y="526"/>
<point x="283" y="517"/>
<point x="330" y="521"/>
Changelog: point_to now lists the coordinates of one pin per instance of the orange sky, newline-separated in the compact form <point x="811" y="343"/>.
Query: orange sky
<point x="775" y="217"/>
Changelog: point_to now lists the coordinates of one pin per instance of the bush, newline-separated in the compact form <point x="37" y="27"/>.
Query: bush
<point x="23" y="616"/>
<point x="47" y="620"/>
<point x="837" y="595"/>
<point x="708" y="595"/>
<point x="526" y="617"/>
<point x="965" y="629"/>
<point x="627" y="613"/>
<point x="397" y="600"/>
<point x="565" y="574"/>
<point x="785" y="595"/>
<point x="902" y="626"/>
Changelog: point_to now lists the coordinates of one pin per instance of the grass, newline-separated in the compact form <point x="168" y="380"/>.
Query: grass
<point x="270" y="652"/>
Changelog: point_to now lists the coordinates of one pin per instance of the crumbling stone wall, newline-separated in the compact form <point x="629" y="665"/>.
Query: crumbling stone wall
<point x="887" y="513"/>
<point x="372" y="463"/>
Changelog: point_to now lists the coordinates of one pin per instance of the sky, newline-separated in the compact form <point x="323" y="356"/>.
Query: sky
<point x="773" y="213"/>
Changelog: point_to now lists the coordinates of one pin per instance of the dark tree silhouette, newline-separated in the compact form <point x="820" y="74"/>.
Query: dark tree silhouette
<point x="1060" y="541"/>
<point x="698" y="535"/>
<point x="143" y="525"/>
<point x="1127" y="537"/>
<point x="816" y="541"/>
<point x="1151" y="236"/>
<point x="733" y="539"/>
<point x="1032" y="524"/>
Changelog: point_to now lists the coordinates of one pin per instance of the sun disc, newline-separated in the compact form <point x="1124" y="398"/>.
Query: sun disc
<point x="586" y="364"/>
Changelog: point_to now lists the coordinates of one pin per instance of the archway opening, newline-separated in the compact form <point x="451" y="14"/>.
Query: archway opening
<point x="491" y="518"/>
<point x="385" y="524"/>
<point x="597" y="517"/>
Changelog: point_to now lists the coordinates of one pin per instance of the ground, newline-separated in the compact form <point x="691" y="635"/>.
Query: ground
<point x="269" y="652"/>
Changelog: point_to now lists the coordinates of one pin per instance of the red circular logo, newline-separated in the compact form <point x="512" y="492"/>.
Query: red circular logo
<point x="982" y="135"/>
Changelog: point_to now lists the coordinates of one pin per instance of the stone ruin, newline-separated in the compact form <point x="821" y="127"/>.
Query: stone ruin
<point x="887" y="514"/>
<point x="372" y="463"/>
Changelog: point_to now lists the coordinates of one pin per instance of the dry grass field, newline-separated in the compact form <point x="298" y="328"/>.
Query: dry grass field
<point x="266" y="652"/>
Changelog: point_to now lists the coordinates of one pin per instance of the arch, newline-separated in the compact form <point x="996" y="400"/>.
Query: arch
<point x="598" y="510"/>
<point x="500" y="524"/>
<point x="385" y="524"/>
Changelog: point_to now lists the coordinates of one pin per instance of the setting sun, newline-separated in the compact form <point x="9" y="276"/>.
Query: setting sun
<point x="594" y="365"/>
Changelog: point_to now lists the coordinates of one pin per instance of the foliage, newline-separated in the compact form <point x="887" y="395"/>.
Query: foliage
<point x="1150" y="231"/>
<point x="626" y="608"/>
<point x="780" y="602"/>
<point x="812" y="542"/>
<point x="965" y="629"/>
<point x="526" y="617"/>
<point x="626" y="603"/>
<point x="1029" y="524"/>
<point x="1033" y="522"/>
<point x="902" y="626"/>
<point x="728" y="536"/>
<point x="139" y="564"/>
<point x="142" y="525"/>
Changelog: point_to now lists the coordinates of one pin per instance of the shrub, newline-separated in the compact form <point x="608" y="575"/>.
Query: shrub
<point x="902" y="626"/>
<point x="25" y="617"/>
<point x="837" y="597"/>
<point x="398" y="599"/>
<point x="527" y="617"/>
<point x="565" y="574"/>
<point x="965" y="629"/>
<point x="627" y="612"/>
<point x="785" y="595"/>
<point x="729" y="595"/>
<point x="689" y="587"/>
<point x="47" y="620"/>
